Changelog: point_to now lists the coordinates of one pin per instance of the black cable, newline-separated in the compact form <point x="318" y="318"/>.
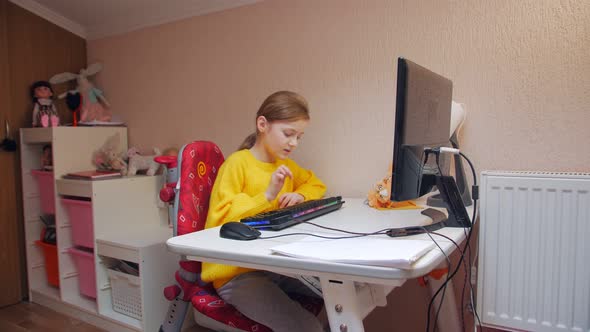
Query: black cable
<point x="383" y="231"/>
<point x="440" y="304"/>
<point x="356" y="234"/>
<point x="448" y="238"/>
<point x="442" y="298"/>
<point x="320" y="236"/>
<point x="472" y="291"/>
<point x="467" y="278"/>
<point x="439" y="290"/>
<point x="444" y="285"/>
<point x="475" y="194"/>
<point x="461" y="258"/>
<point x="344" y="231"/>
<point x="464" y="280"/>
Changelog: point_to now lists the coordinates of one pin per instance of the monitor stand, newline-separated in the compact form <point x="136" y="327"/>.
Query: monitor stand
<point x="457" y="214"/>
<point x="436" y="200"/>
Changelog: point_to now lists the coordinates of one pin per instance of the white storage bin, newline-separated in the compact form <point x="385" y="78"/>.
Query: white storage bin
<point x="125" y="293"/>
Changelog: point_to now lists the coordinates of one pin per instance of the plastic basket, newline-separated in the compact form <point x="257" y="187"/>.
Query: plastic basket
<point x="125" y="294"/>
<point x="51" y="267"/>
<point x="80" y="215"/>
<point x="46" y="190"/>
<point x="86" y="271"/>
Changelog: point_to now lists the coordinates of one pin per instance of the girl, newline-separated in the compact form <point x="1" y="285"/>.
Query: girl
<point x="260" y="177"/>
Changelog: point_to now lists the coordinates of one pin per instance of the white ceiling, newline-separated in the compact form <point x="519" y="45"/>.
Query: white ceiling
<point x="92" y="19"/>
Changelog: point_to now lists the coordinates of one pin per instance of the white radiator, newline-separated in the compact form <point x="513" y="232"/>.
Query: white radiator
<point x="534" y="252"/>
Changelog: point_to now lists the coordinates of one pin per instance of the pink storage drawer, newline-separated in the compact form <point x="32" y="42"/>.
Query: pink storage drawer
<point x="46" y="190"/>
<point x="84" y="261"/>
<point x="80" y="215"/>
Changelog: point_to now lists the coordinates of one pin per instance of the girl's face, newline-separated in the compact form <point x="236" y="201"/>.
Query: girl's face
<point x="280" y="138"/>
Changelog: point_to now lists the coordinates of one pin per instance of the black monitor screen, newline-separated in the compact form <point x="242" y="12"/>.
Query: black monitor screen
<point x="422" y="120"/>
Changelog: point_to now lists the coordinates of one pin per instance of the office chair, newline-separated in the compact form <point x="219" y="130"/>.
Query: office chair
<point x="190" y="180"/>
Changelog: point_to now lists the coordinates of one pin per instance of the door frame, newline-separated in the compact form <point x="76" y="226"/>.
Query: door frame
<point x="12" y="258"/>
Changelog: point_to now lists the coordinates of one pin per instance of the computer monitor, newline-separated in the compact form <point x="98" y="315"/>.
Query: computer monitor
<point x="422" y="123"/>
<point x="422" y="120"/>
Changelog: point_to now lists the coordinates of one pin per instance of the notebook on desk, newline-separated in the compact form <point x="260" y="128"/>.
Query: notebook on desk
<point x="397" y="253"/>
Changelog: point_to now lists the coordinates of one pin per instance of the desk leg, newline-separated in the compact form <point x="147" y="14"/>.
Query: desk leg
<point x="342" y="307"/>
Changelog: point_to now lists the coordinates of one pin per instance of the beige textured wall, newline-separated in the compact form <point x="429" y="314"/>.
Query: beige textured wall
<point x="522" y="68"/>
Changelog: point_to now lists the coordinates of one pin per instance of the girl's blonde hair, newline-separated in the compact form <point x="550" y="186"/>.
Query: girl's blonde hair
<point x="280" y="106"/>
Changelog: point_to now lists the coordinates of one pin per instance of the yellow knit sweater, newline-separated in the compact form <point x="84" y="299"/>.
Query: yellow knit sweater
<point x="239" y="192"/>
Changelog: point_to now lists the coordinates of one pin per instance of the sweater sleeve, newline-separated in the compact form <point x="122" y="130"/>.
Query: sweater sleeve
<point x="306" y="183"/>
<point x="228" y="202"/>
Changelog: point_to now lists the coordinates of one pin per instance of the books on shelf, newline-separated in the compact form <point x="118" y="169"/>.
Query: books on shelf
<point x="93" y="175"/>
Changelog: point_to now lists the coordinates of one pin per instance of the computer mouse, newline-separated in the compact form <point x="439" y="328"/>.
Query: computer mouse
<point x="238" y="231"/>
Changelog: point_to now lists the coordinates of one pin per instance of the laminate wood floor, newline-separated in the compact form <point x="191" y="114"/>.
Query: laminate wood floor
<point x="26" y="316"/>
<point x="32" y="317"/>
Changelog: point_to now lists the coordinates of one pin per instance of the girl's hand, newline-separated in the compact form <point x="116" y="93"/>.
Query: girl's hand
<point x="289" y="199"/>
<point x="277" y="180"/>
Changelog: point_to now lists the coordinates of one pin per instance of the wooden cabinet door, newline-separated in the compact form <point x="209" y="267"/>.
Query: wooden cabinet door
<point x="10" y="237"/>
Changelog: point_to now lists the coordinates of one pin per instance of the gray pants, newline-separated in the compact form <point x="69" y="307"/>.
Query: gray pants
<point x="261" y="296"/>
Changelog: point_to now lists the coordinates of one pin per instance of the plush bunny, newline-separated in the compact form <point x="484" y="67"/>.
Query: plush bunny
<point x="94" y="104"/>
<point x="138" y="162"/>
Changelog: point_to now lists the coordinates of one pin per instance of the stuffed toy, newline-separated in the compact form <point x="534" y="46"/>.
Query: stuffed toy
<point x="108" y="157"/>
<point x="379" y="196"/>
<point x="44" y="112"/>
<point x="94" y="104"/>
<point x="138" y="162"/>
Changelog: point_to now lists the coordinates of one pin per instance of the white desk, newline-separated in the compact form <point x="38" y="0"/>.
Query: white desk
<point x="350" y="291"/>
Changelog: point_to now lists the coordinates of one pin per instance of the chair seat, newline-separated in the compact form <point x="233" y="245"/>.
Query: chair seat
<point x="208" y="303"/>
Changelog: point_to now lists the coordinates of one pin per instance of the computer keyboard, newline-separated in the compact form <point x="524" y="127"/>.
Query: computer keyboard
<point x="289" y="216"/>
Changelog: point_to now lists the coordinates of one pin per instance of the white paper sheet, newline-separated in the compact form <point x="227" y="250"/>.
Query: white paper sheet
<point x="396" y="253"/>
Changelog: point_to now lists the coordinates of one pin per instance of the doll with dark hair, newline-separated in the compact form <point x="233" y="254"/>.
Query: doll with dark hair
<point x="44" y="112"/>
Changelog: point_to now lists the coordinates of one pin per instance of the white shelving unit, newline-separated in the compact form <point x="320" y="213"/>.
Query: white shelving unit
<point x="127" y="223"/>
<point x="149" y="251"/>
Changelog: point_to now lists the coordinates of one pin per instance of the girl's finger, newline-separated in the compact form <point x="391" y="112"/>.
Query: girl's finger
<point x="281" y="200"/>
<point x="285" y="170"/>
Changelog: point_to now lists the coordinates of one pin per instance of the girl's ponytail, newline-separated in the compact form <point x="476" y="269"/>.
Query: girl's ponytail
<point x="248" y="142"/>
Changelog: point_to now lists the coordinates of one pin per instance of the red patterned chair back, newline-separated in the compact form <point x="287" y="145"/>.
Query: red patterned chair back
<point x="198" y="164"/>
